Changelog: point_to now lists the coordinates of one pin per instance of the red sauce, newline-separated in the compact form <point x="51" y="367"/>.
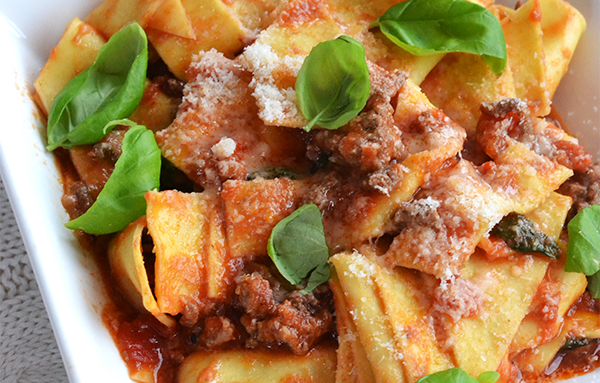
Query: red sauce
<point x="144" y="345"/>
<point x="147" y="345"/>
<point x="536" y="14"/>
<point x="578" y="361"/>
<point x="302" y="12"/>
<point x="571" y="363"/>
<point x="143" y="342"/>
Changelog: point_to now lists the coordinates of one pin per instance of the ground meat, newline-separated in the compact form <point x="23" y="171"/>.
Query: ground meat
<point x="473" y="152"/>
<point x="294" y="325"/>
<point x="384" y="180"/>
<point x="441" y="226"/>
<point x="584" y="188"/>
<point x="431" y="130"/>
<point x="110" y="147"/>
<point x="457" y="298"/>
<point x="324" y="191"/>
<point x="371" y="140"/>
<point x="499" y="123"/>
<point x="77" y="199"/>
<point x="509" y="120"/>
<point x="218" y="330"/>
<point x="170" y="86"/>
<point x="295" y="320"/>
<point x="255" y="295"/>
<point x="421" y="212"/>
<point x="513" y="107"/>
<point x="94" y="164"/>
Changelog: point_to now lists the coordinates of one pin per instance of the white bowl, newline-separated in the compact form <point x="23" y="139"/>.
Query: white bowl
<point x="68" y="279"/>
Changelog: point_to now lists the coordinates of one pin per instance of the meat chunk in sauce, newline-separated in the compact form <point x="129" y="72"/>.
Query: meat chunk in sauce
<point x="441" y="226"/>
<point x="218" y="331"/>
<point x="511" y="121"/>
<point x="273" y="318"/>
<point x="371" y="140"/>
<point x="93" y="165"/>
<point x="584" y="188"/>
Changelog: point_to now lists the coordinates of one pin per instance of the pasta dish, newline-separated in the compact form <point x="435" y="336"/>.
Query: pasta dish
<point x="331" y="190"/>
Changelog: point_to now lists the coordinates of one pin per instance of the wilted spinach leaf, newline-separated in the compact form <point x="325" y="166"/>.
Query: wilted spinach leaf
<point x="572" y="343"/>
<point x="520" y="234"/>
<point x="110" y="89"/>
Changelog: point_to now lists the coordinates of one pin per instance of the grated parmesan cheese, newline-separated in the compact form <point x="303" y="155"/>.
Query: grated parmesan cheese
<point x="224" y="148"/>
<point x="277" y="104"/>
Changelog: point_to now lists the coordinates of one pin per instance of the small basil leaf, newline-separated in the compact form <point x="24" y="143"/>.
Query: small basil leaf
<point x="121" y="201"/>
<point x="520" y="234"/>
<point x="320" y="275"/>
<point x="572" y="343"/>
<point x="488" y="377"/>
<point x="458" y="375"/>
<point x="594" y="285"/>
<point x="333" y="83"/>
<point x="110" y="89"/>
<point x="298" y="248"/>
<point x="583" y="250"/>
<point x="440" y="26"/>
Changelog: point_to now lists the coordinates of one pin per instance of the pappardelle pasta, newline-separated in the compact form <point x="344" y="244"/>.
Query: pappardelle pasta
<point x="331" y="190"/>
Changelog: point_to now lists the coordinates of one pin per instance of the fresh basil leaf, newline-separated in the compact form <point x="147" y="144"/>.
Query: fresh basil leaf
<point x="298" y="248"/>
<point x="583" y="250"/>
<point x="440" y="26"/>
<point x="520" y="234"/>
<point x="121" y="201"/>
<point x="458" y="375"/>
<point x="488" y="377"/>
<point x="110" y="89"/>
<point x="319" y="276"/>
<point x="594" y="285"/>
<point x="333" y="83"/>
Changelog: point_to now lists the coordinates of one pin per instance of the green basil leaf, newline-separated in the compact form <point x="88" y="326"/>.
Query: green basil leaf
<point x="333" y="83"/>
<point x="488" y="377"/>
<point x="594" y="285"/>
<point x="522" y="235"/>
<point x="583" y="250"/>
<point x="458" y="375"/>
<point x="573" y="343"/>
<point x="121" y="201"/>
<point x="440" y="26"/>
<point x="319" y="276"/>
<point x="298" y="248"/>
<point x="110" y="89"/>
